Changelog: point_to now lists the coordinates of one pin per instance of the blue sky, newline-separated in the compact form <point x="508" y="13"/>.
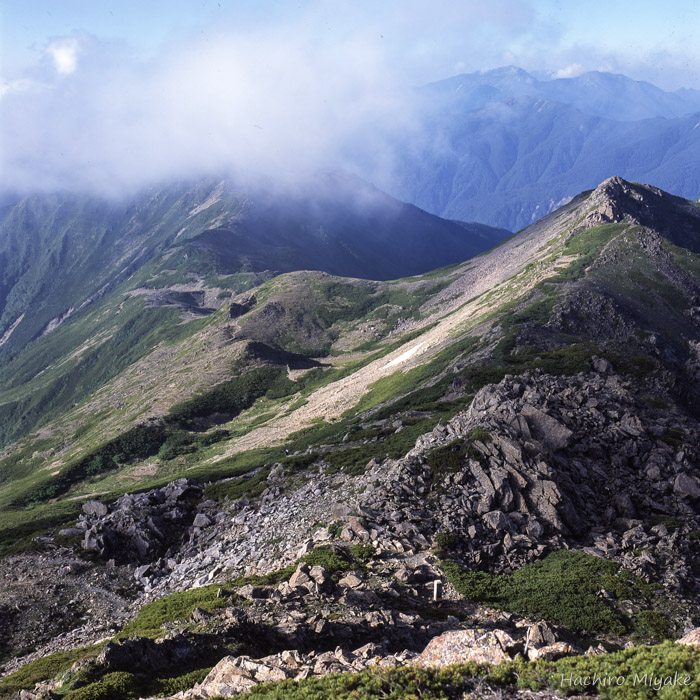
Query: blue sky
<point x="422" y="40"/>
<point x="117" y="92"/>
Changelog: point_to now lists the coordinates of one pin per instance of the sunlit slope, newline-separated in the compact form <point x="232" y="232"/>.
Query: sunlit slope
<point x="89" y="286"/>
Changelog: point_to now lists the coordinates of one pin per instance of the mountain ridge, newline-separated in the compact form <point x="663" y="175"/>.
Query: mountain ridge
<point x="475" y="279"/>
<point x="598" y="93"/>
<point x="93" y="285"/>
<point x="520" y="421"/>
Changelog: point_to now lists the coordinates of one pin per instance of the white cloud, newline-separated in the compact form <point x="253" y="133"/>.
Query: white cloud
<point x="571" y="71"/>
<point x="64" y="53"/>
<point x="321" y="86"/>
<point x="261" y="103"/>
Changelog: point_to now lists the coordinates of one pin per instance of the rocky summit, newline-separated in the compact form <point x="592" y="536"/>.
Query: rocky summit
<point x="479" y="482"/>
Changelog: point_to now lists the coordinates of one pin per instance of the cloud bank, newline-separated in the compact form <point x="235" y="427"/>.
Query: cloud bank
<point x="321" y="85"/>
<point x="265" y="96"/>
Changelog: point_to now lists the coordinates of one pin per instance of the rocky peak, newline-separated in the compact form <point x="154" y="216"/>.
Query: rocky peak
<point x="616" y="199"/>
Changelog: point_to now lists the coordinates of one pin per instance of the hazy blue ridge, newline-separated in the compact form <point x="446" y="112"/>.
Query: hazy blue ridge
<point x="505" y="148"/>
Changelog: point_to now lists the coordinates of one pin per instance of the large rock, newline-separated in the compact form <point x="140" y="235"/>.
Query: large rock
<point x="552" y="652"/>
<point x="321" y="577"/>
<point x="139" y="528"/>
<point x="549" y="431"/>
<point x="497" y="520"/>
<point x="202" y="520"/>
<point x="94" y="508"/>
<point x="226" y="678"/>
<point x="480" y="646"/>
<point x="351" y="580"/>
<point x="692" y="638"/>
<point x="686" y="486"/>
<point x="300" y="577"/>
<point x="236" y="675"/>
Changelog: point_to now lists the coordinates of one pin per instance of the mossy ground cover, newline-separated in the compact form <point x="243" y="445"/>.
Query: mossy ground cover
<point x="564" y="587"/>
<point x="19" y="527"/>
<point x="684" y="258"/>
<point x="173" y="608"/>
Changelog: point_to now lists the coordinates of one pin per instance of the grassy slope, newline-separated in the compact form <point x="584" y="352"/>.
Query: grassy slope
<point x="59" y="251"/>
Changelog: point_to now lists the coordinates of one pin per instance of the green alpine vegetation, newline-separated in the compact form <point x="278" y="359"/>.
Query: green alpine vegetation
<point x="565" y="587"/>
<point x="649" y="665"/>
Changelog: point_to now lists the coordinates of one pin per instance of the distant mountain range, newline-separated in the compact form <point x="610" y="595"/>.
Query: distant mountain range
<point x="505" y="148"/>
<point x="607" y="95"/>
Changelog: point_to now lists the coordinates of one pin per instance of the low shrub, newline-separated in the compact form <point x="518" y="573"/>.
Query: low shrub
<point x="332" y="560"/>
<point x="173" y="608"/>
<point x="563" y="588"/>
<point x="637" y="673"/>
<point x="446" y="540"/>
<point x="451" y="458"/>
<point x="652" y="624"/>
<point x="396" y="683"/>
<point x="232" y="397"/>
<point x="26" y="677"/>
<point x="119" y="685"/>
<point x="362" y="553"/>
